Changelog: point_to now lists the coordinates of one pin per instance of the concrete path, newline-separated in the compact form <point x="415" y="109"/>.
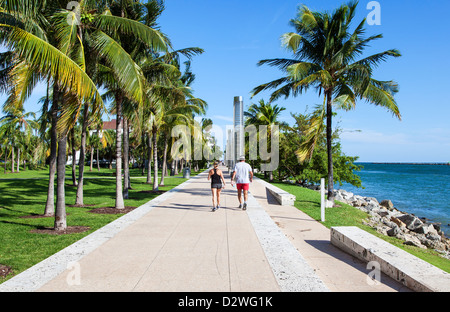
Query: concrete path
<point x="175" y="243"/>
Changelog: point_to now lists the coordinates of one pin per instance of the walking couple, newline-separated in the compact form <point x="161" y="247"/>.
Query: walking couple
<point x="243" y="174"/>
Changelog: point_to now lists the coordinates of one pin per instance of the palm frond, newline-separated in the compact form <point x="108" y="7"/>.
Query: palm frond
<point x="51" y="62"/>
<point x="22" y="82"/>
<point x="153" y="38"/>
<point x="291" y="41"/>
<point x="126" y="70"/>
<point x="311" y="136"/>
<point x="280" y="63"/>
<point x="381" y="93"/>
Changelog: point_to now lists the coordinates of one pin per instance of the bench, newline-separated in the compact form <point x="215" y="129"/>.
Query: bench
<point x="283" y="198"/>
<point x="400" y="265"/>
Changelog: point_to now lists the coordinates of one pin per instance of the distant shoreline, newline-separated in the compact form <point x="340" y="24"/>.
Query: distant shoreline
<point x="404" y="163"/>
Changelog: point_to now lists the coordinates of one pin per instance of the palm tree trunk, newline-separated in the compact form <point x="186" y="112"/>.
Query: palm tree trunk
<point x="126" y="167"/>
<point x="329" y="145"/>
<point x="12" y="160"/>
<point x="143" y="153"/>
<point x="119" y="196"/>
<point x="60" y="213"/>
<point x="164" y="165"/>
<point x="74" y="157"/>
<point x="18" y="159"/>
<point x="92" y="158"/>
<point x="98" y="161"/>
<point x="155" y="161"/>
<point x="50" y="204"/>
<point x="79" y="201"/>
<point x="150" y="146"/>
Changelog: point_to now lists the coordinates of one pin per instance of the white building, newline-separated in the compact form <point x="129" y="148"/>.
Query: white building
<point x="235" y="136"/>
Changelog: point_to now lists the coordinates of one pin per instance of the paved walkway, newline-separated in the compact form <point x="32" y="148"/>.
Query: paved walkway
<point x="175" y="243"/>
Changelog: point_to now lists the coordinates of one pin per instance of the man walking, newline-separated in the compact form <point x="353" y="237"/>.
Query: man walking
<point x="244" y="175"/>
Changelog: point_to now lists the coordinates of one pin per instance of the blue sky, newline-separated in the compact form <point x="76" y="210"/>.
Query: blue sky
<point x="236" y="34"/>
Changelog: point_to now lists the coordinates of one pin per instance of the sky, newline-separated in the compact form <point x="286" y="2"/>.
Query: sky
<point x="236" y="34"/>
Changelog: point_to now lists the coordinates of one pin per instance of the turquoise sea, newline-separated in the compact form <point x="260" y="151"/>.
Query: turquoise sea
<point x="420" y="189"/>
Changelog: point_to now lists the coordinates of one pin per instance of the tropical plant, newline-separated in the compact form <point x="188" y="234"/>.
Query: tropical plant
<point x="326" y="55"/>
<point x="16" y="128"/>
<point x="267" y="115"/>
<point x="46" y="40"/>
<point x="311" y="172"/>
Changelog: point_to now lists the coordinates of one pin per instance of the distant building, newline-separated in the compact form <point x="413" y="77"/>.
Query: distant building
<point x="110" y="125"/>
<point x="238" y="124"/>
<point x="107" y="125"/>
<point x="235" y="136"/>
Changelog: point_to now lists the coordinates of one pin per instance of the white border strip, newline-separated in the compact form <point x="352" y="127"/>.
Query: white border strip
<point x="289" y="267"/>
<point x="46" y="270"/>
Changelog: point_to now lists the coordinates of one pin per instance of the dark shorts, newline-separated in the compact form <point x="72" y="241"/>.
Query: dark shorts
<point x="243" y="186"/>
<point x="216" y="185"/>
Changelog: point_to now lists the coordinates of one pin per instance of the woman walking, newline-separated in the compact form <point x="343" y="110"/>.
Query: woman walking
<point x="217" y="183"/>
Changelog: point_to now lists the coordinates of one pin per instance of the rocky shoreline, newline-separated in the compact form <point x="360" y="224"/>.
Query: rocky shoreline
<point x="389" y="221"/>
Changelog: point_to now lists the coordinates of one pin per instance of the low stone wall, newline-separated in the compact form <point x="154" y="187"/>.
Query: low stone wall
<point x="400" y="265"/>
<point x="284" y="198"/>
<point x="387" y="220"/>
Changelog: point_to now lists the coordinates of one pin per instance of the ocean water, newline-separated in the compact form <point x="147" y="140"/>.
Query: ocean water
<point x="420" y="189"/>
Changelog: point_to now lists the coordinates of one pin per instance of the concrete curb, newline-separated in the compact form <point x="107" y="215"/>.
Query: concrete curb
<point x="291" y="270"/>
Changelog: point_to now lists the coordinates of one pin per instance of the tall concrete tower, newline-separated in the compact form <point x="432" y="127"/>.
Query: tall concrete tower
<point x="238" y="124"/>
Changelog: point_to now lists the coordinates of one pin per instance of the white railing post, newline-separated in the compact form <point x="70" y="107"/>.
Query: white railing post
<point x="322" y="199"/>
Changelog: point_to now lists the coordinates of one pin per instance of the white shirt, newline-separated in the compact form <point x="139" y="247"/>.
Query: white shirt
<point x="242" y="170"/>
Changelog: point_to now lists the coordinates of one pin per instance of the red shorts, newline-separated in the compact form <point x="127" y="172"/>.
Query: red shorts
<point x="243" y="186"/>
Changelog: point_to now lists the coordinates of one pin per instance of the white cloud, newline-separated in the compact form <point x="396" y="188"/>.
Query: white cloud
<point x="220" y="117"/>
<point x="373" y="137"/>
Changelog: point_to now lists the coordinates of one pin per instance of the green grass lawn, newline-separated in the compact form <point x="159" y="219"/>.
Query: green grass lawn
<point x="308" y="201"/>
<point x="21" y="249"/>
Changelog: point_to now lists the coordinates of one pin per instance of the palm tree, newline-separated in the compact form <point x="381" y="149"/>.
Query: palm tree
<point x="181" y="105"/>
<point x="74" y="144"/>
<point x="57" y="55"/>
<point x="105" y="46"/>
<point x="264" y="114"/>
<point x="17" y="128"/>
<point x="50" y="115"/>
<point x="149" y="41"/>
<point x="9" y="134"/>
<point x="169" y="97"/>
<point x="28" y="33"/>
<point x="327" y="56"/>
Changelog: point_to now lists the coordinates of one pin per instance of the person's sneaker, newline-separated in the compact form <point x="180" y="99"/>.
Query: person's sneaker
<point x="244" y="207"/>
<point x="240" y="206"/>
<point x="218" y="206"/>
<point x="213" y="209"/>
